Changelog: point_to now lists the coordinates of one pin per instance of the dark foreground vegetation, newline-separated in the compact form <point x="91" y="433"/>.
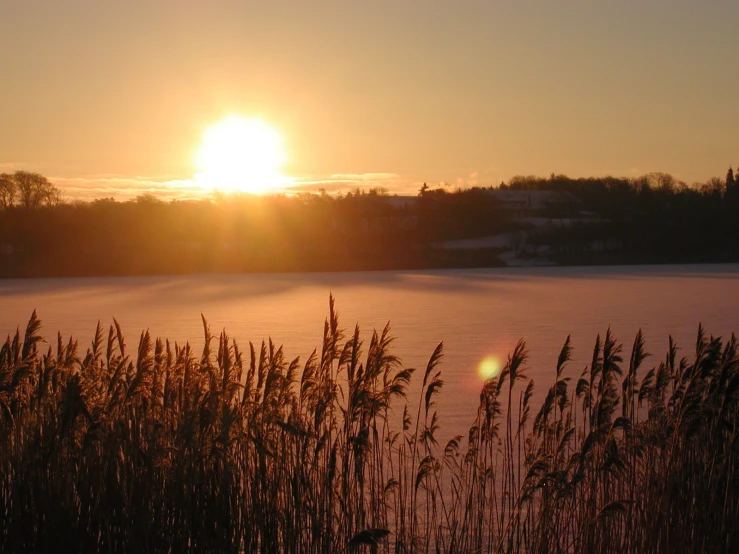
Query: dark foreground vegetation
<point x="650" y="219"/>
<point x="160" y="449"/>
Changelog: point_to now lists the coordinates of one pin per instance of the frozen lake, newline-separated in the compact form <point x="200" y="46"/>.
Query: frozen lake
<point x="478" y="313"/>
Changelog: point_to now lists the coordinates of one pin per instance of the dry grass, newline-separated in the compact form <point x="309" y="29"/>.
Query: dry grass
<point x="158" y="449"/>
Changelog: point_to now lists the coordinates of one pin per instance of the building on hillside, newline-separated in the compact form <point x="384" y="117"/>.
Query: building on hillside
<point x="548" y="203"/>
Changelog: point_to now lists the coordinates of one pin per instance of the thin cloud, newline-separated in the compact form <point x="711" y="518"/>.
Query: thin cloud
<point x="365" y="176"/>
<point x="6" y="167"/>
<point x="347" y="182"/>
<point x="122" y="187"/>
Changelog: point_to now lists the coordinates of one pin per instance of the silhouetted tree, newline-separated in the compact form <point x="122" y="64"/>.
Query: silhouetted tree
<point x="7" y="190"/>
<point x="148" y="198"/>
<point x="732" y="190"/>
<point x="713" y="188"/>
<point x="35" y="190"/>
<point x="662" y="182"/>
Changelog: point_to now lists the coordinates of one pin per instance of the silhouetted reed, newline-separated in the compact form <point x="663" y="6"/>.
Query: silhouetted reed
<point x="158" y="449"/>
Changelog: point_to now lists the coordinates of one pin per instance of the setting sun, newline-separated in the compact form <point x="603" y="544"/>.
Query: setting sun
<point x="240" y="154"/>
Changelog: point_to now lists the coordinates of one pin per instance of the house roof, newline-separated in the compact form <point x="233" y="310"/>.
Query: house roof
<point x="534" y="199"/>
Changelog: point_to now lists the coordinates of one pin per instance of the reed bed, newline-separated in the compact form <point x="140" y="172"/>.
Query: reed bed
<point x="162" y="449"/>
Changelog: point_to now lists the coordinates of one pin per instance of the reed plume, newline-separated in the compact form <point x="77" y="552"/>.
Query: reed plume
<point x="159" y="448"/>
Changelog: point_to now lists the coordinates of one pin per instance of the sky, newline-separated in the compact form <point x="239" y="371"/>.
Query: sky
<point x="111" y="98"/>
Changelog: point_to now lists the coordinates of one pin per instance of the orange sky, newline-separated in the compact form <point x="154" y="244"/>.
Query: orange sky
<point x="112" y="97"/>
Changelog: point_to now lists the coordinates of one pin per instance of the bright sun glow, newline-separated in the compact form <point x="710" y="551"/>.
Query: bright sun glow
<point x="240" y="154"/>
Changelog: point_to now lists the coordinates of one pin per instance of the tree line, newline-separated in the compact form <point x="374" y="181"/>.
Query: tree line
<point x="652" y="218"/>
<point x="305" y="232"/>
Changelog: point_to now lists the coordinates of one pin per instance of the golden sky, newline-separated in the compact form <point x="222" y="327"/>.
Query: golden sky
<point x="106" y="97"/>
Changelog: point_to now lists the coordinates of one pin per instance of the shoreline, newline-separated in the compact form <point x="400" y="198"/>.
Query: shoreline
<point x="508" y="269"/>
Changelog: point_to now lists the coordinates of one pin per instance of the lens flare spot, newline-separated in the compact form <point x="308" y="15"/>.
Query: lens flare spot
<point x="489" y="367"/>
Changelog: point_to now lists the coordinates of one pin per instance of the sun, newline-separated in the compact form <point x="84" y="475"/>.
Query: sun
<point x="241" y="154"/>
